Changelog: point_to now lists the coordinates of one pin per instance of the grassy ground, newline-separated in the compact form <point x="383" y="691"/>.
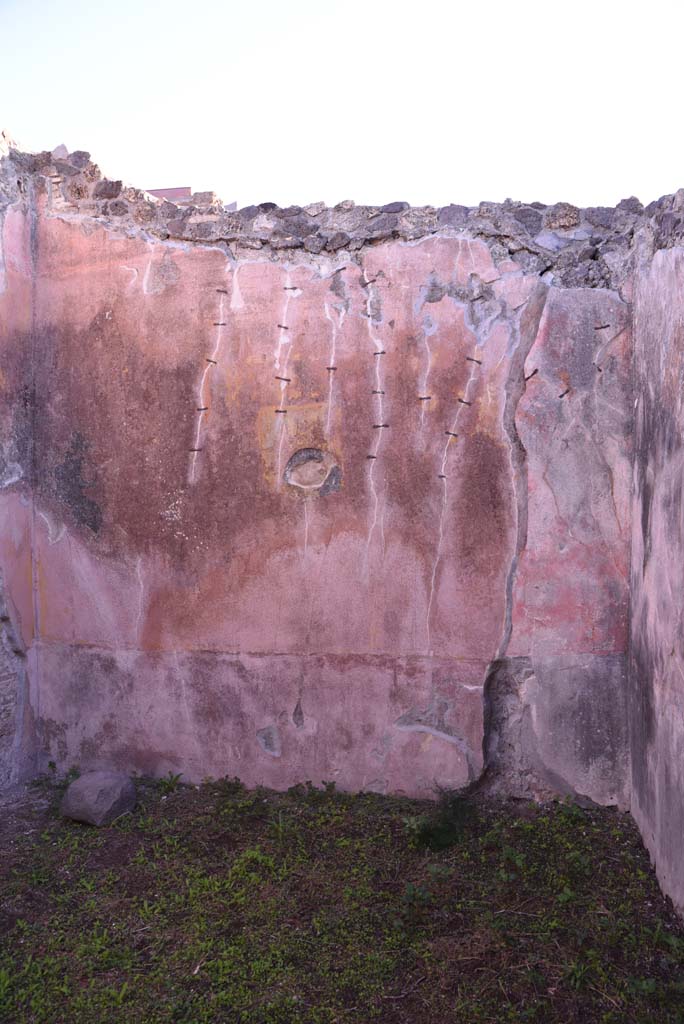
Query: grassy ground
<point x="218" y="904"/>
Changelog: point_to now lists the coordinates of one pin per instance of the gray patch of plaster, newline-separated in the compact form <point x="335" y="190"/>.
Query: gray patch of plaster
<point x="160" y="275"/>
<point x="557" y="726"/>
<point x="269" y="740"/>
<point x="12" y="679"/>
<point x="298" y="715"/>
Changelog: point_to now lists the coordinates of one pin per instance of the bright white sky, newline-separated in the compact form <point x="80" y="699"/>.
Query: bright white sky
<point x="295" y="101"/>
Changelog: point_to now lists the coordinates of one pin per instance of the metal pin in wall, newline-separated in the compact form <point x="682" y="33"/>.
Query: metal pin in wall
<point x="371" y="456"/>
<point x="330" y="369"/>
<point x="286" y="379"/>
<point x="463" y="401"/>
<point x="281" y="410"/>
<point x="221" y="323"/>
<point x="380" y="426"/>
<point x="601" y="327"/>
<point x="424" y="398"/>
<point x="290" y="288"/>
<point x="203" y="408"/>
<point x="194" y="449"/>
<point x="375" y="392"/>
<point x="380" y="353"/>
<point x="533" y="374"/>
<point x="450" y="433"/>
<point x="283" y="327"/>
<point x="471" y="359"/>
<point x="441" y="476"/>
<point x="211" y="361"/>
<point x="223" y="291"/>
<point x="564" y="393"/>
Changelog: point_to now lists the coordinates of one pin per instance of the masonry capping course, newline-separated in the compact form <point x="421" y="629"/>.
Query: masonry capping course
<point x="591" y="247"/>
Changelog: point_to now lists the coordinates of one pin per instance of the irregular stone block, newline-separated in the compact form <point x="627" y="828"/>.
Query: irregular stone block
<point x="98" y="797"/>
<point x="394" y="207"/>
<point x="382" y="226"/>
<point x="314" y="243"/>
<point x="106" y="189"/>
<point x="453" y="216"/>
<point x="337" y="241"/>
<point x="562" y="215"/>
<point x="79" y="158"/>
<point x="530" y="219"/>
<point x="599" y="216"/>
<point x="631" y="205"/>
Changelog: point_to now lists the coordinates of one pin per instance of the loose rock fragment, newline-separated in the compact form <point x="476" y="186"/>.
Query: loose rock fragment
<point x="99" y="797"/>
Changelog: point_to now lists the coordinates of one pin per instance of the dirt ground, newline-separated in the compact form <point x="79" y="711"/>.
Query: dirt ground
<point x="218" y="904"/>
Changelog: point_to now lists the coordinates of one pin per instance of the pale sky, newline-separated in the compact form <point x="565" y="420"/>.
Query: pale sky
<point x="298" y="101"/>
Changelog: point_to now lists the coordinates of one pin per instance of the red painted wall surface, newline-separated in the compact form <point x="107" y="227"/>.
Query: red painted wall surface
<point x="187" y="605"/>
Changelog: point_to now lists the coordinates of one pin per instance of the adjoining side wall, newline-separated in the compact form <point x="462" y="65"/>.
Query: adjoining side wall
<point x="657" y="631"/>
<point x="17" y="739"/>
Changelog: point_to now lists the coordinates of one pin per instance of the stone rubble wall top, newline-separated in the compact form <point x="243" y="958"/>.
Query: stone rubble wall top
<point x="591" y="247"/>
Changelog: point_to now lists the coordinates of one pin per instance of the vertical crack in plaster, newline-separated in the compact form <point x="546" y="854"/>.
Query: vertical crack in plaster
<point x="378" y="412"/>
<point x="204" y="391"/>
<point x="444" y="480"/>
<point x="429" y="329"/>
<point x="334" y="328"/>
<point x="283" y="341"/>
<point x="526" y="330"/>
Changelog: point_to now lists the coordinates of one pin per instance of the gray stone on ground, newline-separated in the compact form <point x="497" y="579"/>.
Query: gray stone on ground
<point x="97" y="798"/>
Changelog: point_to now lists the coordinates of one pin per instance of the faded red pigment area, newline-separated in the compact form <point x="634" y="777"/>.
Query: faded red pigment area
<point x="258" y="565"/>
<point x="571" y="591"/>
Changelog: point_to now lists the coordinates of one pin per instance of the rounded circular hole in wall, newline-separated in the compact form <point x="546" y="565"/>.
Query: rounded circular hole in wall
<point x="313" y="471"/>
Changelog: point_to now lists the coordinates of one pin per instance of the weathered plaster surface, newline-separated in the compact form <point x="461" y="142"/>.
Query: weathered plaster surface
<point x="166" y="518"/>
<point x="295" y="485"/>
<point x="16" y="590"/>
<point x="657" y="640"/>
<point x="569" y="595"/>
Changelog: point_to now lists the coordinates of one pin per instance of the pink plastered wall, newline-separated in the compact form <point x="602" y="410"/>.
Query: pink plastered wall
<point x="186" y="606"/>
